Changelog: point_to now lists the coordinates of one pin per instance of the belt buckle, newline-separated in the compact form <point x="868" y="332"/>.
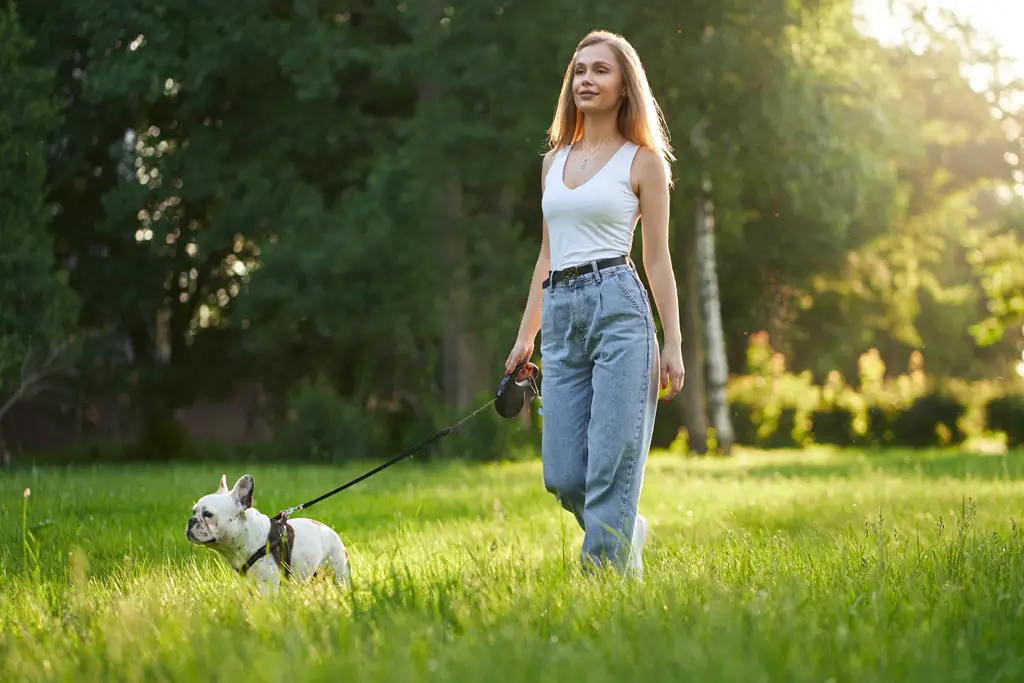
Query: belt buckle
<point x="571" y="273"/>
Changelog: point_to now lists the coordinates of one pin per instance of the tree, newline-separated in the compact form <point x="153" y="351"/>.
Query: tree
<point x="36" y="306"/>
<point x="914" y="286"/>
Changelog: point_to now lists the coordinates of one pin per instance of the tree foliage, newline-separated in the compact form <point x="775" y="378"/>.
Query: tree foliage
<point x="36" y="306"/>
<point x="345" y="192"/>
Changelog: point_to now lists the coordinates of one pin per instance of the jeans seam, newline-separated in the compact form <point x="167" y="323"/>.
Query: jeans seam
<point x="634" y="454"/>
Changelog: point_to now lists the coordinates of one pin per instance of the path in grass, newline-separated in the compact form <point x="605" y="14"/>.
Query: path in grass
<point x="796" y="567"/>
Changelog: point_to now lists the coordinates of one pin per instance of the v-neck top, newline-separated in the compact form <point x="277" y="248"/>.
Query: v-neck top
<point x="595" y="220"/>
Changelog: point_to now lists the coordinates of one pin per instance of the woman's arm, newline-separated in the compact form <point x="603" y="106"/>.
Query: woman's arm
<point x="652" y="186"/>
<point x="530" y="324"/>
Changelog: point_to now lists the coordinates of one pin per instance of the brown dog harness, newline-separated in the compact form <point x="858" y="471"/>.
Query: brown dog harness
<point x="279" y="545"/>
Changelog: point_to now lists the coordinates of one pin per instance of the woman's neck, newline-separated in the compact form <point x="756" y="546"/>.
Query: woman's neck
<point x="599" y="130"/>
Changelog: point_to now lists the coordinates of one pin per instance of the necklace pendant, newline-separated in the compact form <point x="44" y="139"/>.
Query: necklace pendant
<point x="583" y="166"/>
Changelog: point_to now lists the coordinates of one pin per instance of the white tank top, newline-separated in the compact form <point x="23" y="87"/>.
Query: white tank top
<point x="597" y="219"/>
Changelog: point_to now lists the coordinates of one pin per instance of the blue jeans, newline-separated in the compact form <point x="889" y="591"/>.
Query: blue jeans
<point x="599" y="379"/>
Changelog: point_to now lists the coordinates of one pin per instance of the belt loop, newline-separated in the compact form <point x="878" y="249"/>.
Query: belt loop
<point x="597" y="270"/>
<point x="551" y="281"/>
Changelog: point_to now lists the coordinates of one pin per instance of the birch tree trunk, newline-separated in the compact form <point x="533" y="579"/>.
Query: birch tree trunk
<point x="718" y="367"/>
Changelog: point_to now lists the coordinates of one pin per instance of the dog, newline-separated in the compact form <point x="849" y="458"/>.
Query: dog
<point x="262" y="547"/>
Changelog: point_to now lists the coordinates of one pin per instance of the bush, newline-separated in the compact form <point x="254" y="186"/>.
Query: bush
<point x="1006" y="414"/>
<point x="320" y="425"/>
<point x="787" y="431"/>
<point x="834" y="426"/>
<point x="489" y="437"/>
<point x="668" y="423"/>
<point x="878" y="432"/>
<point x="772" y="407"/>
<point x="743" y="426"/>
<point x="931" y="420"/>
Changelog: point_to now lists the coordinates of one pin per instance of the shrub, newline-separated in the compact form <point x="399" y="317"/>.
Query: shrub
<point x="976" y="396"/>
<point x="1006" y="414"/>
<point x="320" y="425"/>
<point x="834" y="420"/>
<point x="787" y="432"/>
<point x="833" y="426"/>
<point x="880" y="419"/>
<point x="772" y="407"/>
<point x="668" y="422"/>
<point x="488" y="437"/>
<point x="931" y="420"/>
<point x="743" y="426"/>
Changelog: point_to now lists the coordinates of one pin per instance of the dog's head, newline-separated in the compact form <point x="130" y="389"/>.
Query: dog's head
<point x="220" y="516"/>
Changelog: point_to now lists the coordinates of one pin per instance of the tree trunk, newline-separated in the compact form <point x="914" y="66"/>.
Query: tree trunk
<point x="691" y="405"/>
<point x="718" y="367"/>
<point x="160" y="436"/>
<point x="460" y="374"/>
<point x="460" y="364"/>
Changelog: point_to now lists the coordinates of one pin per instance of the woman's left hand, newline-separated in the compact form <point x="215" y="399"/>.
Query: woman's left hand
<point x="672" y="372"/>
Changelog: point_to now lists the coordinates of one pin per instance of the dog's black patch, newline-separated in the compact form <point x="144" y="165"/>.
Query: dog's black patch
<point x="280" y="540"/>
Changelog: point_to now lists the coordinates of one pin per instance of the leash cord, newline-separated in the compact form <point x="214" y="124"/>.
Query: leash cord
<point x="401" y="456"/>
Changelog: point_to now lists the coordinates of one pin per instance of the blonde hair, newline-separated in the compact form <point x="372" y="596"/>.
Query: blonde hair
<point x="640" y="119"/>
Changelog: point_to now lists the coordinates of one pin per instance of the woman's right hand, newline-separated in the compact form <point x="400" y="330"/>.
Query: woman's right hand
<point x="522" y="351"/>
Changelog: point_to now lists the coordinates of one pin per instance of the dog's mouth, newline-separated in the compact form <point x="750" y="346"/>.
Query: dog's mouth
<point x="190" y="535"/>
<point x="201" y="541"/>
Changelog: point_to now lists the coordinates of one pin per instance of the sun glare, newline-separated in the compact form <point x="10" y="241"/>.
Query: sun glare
<point x="997" y="20"/>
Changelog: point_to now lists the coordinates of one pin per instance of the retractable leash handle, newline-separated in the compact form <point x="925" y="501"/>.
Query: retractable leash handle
<point x="514" y="389"/>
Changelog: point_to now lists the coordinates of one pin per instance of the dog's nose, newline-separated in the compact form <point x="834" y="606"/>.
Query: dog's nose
<point x="191" y="524"/>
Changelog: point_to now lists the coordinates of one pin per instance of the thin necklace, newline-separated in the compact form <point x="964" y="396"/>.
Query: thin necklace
<point x="583" y="166"/>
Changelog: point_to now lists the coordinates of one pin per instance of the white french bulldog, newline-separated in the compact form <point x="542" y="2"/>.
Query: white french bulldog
<point x="259" y="546"/>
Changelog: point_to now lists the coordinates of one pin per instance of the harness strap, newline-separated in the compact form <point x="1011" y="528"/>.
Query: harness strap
<point x="280" y="540"/>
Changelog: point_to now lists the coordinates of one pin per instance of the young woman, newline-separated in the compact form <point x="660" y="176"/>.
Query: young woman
<point x="607" y="166"/>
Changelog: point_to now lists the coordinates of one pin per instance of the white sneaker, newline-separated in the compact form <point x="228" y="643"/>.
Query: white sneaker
<point x="636" y="558"/>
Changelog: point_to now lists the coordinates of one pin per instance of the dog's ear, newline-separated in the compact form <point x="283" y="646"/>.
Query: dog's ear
<point x="243" y="491"/>
<point x="223" y="484"/>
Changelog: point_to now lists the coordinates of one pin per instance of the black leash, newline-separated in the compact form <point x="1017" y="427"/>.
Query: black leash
<point x="279" y="538"/>
<point x="510" y="392"/>
<point x="509" y="399"/>
<point x="283" y="515"/>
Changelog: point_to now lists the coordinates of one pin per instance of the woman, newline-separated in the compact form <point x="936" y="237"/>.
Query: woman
<point x="608" y="165"/>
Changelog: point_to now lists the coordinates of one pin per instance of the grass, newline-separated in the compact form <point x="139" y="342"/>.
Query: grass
<point x="767" y="567"/>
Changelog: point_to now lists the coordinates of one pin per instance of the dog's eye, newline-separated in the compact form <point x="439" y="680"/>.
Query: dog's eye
<point x="207" y="514"/>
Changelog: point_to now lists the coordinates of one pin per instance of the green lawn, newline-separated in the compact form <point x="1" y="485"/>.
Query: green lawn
<point x="781" y="567"/>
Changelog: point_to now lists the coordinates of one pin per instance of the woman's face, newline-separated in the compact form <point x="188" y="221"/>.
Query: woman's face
<point x="597" y="79"/>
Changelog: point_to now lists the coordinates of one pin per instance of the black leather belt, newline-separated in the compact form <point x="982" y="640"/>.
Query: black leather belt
<point x="575" y="271"/>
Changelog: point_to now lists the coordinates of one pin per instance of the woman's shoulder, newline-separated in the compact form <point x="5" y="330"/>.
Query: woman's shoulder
<point x="548" y="160"/>
<point x="552" y="153"/>
<point x="649" y="166"/>
<point x="648" y="160"/>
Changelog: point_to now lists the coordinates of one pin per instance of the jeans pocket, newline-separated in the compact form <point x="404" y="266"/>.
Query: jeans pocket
<point x="633" y="290"/>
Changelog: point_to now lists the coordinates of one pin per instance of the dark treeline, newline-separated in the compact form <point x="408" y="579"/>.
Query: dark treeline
<point x="339" y="201"/>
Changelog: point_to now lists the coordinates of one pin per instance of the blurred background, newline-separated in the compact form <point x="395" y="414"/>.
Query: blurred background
<point x="304" y="230"/>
